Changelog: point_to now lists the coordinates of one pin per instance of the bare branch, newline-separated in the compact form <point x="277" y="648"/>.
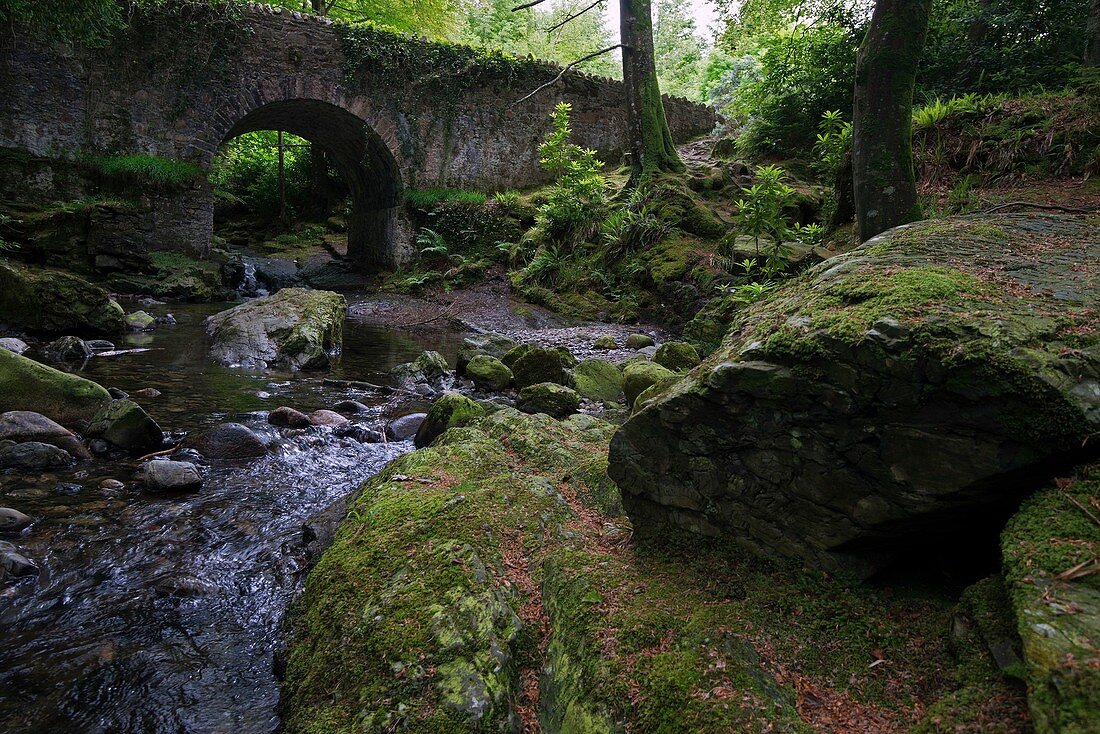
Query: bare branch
<point x="527" y="5"/>
<point x="573" y="17"/>
<point x="562" y="73"/>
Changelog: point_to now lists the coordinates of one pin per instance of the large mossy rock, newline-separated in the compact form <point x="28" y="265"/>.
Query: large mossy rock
<point x="489" y="373"/>
<point x="125" y="424"/>
<point x="488" y="344"/>
<point x="52" y="301"/>
<point x="538" y="364"/>
<point x="882" y="397"/>
<point x="550" y="398"/>
<point x="597" y="379"/>
<point x="1049" y="549"/>
<point x="295" y="329"/>
<point x="28" y="385"/>
<point x="450" y="410"/>
<point x="641" y="375"/>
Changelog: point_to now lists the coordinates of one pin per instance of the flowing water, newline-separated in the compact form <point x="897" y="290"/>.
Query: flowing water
<point x="162" y="613"/>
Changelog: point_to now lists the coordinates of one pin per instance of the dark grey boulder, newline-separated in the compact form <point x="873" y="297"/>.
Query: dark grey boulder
<point x="125" y="424"/>
<point x="26" y="425"/>
<point x="286" y="417"/>
<point x="405" y="427"/>
<point x="34" y="455"/>
<point x="66" y="349"/>
<point x="228" y="441"/>
<point x="13" y="521"/>
<point x="164" y="475"/>
<point x="14" y="564"/>
<point x="12" y="344"/>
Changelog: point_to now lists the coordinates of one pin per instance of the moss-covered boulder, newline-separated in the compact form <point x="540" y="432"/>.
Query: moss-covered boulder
<point x="295" y="329"/>
<point x="512" y="355"/>
<point x="450" y="410"/>
<point x="923" y="377"/>
<point x="597" y="379"/>
<point x="538" y="365"/>
<point x="641" y="375"/>
<point x="52" y="301"/>
<point x="677" y="356"/>
<point x="428" y="374"/>
<point x="489" y="373"/>
<point x="490" y="344"/>
<point x="555" y="400"/>
<point x="124" y="424"/>
<point x="1050" y="552"/>
<point x="639" y="341"/>
<point x="27" y="385"/>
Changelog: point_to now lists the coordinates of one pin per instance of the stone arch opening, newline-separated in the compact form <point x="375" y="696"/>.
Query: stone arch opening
<point x="363" y="160"/>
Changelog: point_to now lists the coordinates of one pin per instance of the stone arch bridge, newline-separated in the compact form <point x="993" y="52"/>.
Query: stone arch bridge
<point x="390" y="111"/>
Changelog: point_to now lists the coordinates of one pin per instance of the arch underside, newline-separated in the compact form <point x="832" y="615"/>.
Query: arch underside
<point x="361" y="157"/>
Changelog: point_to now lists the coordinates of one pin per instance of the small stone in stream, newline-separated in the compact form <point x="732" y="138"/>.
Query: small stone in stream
<point x="118" y="394"/>
<point x="604" y="342"/>
<point x="228" y="441"/>
<point x="354" y="407"/>
<point x="286" y="417"/>
<point x="147" y="392"/>
<point x="489" y="373"/>
<point x="327" y="418"/>
<point x="67" y="488"/>
<point x="147" y="302"/>
<point x="13" y="521"/>
<point x="99" y="446"/>
<point x="13" y="345"/>
<point x="555" y="400"/>
<point x="638" y="341"/>
<point x="167" y="319"/>
<point x="100" y="345"/>
<point x="677" y="356"/>
<point x="34" y="455"/>
<point x="111" y="484"/>
<point x="362" y="434"/>
<point x="66" y="349"/>
<point x="15" y="564"/>
<point x="140" y="321"/>
<point x="405" y="427"/>
<point x="165" y="475"/>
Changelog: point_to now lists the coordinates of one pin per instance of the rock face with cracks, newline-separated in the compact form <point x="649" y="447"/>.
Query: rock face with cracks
<point x="295" y="329"/>
<point x="883" y="397"/>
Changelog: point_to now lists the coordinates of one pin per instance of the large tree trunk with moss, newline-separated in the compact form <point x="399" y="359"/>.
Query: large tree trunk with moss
<point x="1092" y="36"/>
<point x="651" y="146"/>
<point x="882" y="135"/>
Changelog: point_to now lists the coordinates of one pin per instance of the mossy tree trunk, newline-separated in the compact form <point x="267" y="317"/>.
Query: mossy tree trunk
<point x="882" y="121"/>
<point x="1092" y="36"/>
<point x="651" y="146"/>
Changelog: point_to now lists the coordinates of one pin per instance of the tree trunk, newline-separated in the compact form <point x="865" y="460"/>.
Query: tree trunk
<point x="283" y="218"/>
<point x="1092" y="36"/>
<point x="651" y="146"/>
<point x="882" y="121"/>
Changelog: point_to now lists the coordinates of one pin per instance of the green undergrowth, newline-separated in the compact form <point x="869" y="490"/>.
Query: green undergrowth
<point x="498" y="553"/>
<point x="143" y="169"/>
<point x="1050" y="550"/>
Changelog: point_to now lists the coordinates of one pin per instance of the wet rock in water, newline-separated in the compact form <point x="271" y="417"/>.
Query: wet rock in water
<point x="286" y="417"/>
<point x="489" y="373"/>
<point x="327" y="418"/>
<point x="805" y="435"/>
<point x="449" y="411"/>
<point x="140" y="321"/>
<point x="604" y="342"/>
<point x="67" y="488"/>
<point x="405" y="427"/>
<point x="125" y="424"/>
<point x="489" y="344"/>
<point x="111" y="484"/>
<point x="13" y="521"/>
<point x="597" y="379"/>
<point x="34" y="455"/>
<point x="147" y="392"/>
<point x="26" y="425"/>
<point x="47" y="300"/>
<point x="539" y="365"/>
<point x="118" y="394"/>
<point x="227" y="441"/>
<point x="66" y="349"/>
<point x="319" y="529"/>
<point x="99" y="446"/>
<point x="164" y="475"/>
<point x="14" y="564"/>
<point x="648" y="352"/>
<point x="351" y="407"/>
<point x="362" y="434"/>
<point x="295" y="329"/>
<point x="13" y="345"/>
<point x="555" y="400"/>
<point x="677" y="356"/>
<point x="638" y="376"/>
<point x="639" y="341"/>
<point x="429" y="370"/>
<point x="28" y="385"/>
<point x="100" y="345"/>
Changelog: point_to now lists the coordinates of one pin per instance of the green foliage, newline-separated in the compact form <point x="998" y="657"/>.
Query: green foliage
<point x="760" y="210"/>
<point x="430" y="198"/>
<point x="90" y="22"/>
<point x="246" y="170"/>
<point x="636" y="226"/>
<point x="507" y="199"/>
<point x="575" y="202"/>
<point x="935" y="112"/>
<point x="432" y="18"/>
<point x="145" y="169"/>
<point x="834" y="140"/>
<point x="678" y="53"/>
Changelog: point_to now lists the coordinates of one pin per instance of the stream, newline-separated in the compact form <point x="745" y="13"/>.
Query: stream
<point x="162" y="613"/>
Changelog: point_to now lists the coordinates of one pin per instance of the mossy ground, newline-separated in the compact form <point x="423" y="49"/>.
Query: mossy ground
<point x="677" y="635"/>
